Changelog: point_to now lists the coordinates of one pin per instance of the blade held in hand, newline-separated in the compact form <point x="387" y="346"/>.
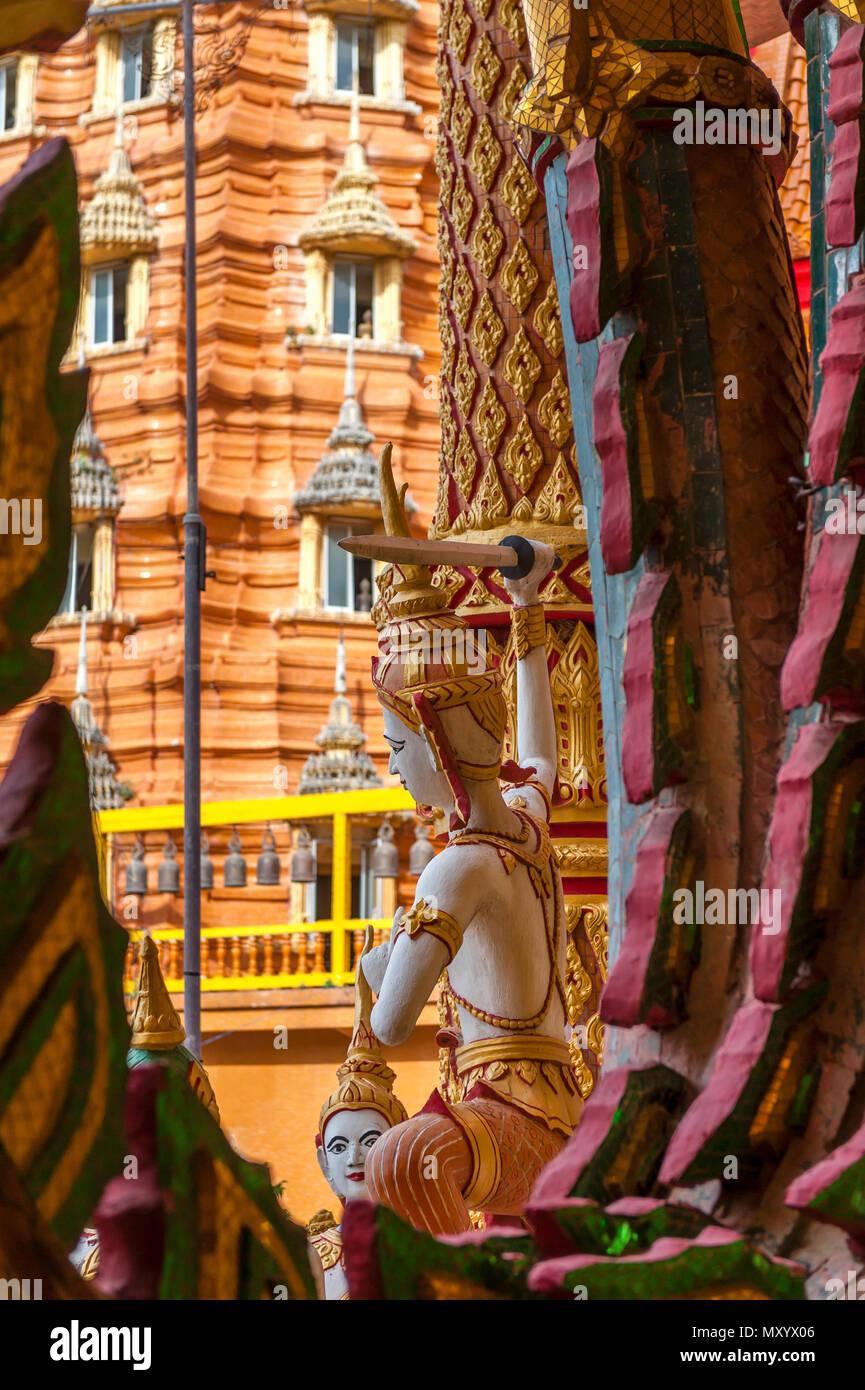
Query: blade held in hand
<point x="513" y="558"/>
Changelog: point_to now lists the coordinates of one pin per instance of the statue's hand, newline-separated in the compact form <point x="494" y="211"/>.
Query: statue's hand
<point x="525" y="591"/>
<point x="374" y="965"/>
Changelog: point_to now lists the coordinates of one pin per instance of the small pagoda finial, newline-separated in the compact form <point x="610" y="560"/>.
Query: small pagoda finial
<point x="339" y="684"/>
<point x="155" y="1024"/>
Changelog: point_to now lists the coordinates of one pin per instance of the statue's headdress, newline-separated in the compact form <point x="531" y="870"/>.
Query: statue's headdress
<point x="365" y="1079"/>
<point x="425" y="664"/>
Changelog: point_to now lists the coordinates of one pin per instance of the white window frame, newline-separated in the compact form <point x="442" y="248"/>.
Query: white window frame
<point x="354" y="262"/>
<point x="355" y="23"/>
<point x="108" y="269"/>
<point x="128" y="38"/>
<point x="69" y="605"/>
<point x="9" y="65"/>
<point x="354" y="528"/>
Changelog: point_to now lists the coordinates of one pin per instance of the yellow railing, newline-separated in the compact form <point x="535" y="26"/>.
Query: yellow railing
<point x="272" y="956"/>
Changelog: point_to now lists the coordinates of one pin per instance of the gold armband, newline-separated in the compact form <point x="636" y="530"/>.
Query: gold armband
<point x="529" y="628"/>
<point x="422" y="916"/>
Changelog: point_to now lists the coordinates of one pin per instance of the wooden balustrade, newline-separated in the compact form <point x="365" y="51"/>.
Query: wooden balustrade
<point x="249" y="958"/>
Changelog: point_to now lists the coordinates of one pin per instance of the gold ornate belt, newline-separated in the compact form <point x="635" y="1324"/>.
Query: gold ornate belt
<point x="528" y="1047"/>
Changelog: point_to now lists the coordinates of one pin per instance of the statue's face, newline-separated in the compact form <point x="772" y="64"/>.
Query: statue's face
<point x="348" y="1137"/>
<point x="411" y="759"/>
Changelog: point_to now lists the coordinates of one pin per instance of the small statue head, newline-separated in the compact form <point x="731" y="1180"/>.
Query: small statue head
<point x="362" y="1107"/>
<point x="444" y="710"/>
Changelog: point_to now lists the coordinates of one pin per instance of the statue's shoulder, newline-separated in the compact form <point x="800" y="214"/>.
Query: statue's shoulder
<point x="325" y="1238"/>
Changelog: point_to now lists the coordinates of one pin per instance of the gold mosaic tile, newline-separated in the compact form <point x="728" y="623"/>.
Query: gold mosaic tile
<point x="463" y="207"/>
<point x="487" y="330"/>
<point x="490" y="419"/>
<point x="519" y="190"/>
<point x="486" y="154"/>
<point x="463" y="297"/>
<point x="523" y="456"/>
<point x="487" y="241"/>
<point x="519" y="277"/>
<point x="485" y="70"/>
<point x="522" y="367"/>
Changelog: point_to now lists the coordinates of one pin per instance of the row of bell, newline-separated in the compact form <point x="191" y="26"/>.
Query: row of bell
<point x="384" y="862"/>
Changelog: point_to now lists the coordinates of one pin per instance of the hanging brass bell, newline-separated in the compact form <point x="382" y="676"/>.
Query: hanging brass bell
<point x="303" y="859"/>
<point x="384" y="860"/>
<point x="421" y="852"/>
<point x="136" y="871"/>
<point x="235" y="864"/>
<point x="267" y="868"/>
<point x="206" y="865"/>
<point x="168" y="876"/>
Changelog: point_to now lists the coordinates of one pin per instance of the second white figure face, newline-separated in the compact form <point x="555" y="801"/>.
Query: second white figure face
<point x="348" y="1137"/>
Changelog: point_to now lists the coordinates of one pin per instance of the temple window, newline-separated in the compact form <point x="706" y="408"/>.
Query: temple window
<point x="354" y="251"/>
<point x="352" y="308"/>
<point x="79" y="583"/>
<point x="17" y="89"/>
<point x="9" y="94"/>
<point x="354" y="56"/>
<point x="108" y="305"/>
<point x="118" y="233"/>
<point x="134" y="63"/>
<point x="362" y="51"/>
<point x="346" y="579"/>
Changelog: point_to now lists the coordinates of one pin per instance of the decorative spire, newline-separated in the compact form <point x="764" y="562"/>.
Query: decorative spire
<point x="117" y="218"/>
<point x="82" y="710"/>
<point x="353" y="217"/>
<point x="342" y="765"/>
<point x="94" y="486"/>
<point x="106" y="793"/>
<point x="365" y="1080"/>
<point x="155" y="1023"/>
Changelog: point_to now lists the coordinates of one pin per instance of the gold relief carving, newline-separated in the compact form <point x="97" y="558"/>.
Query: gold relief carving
<point x="460" y="30"/>
<point x="487" y="330"/>
<point x="578" y="987"/>
<point x="489" y="506"/>
<point x="548" y="322"/>
<point x="449" y="347"/>
<point x="449" y="430"/>
<point x="512" y="92"/>
<point x="477" y="599"/>
<point x="486" y="154"/>
<point x="522" y="367"/>
<point x="582" y="1072"/>
<point x="584" y="857"/>
<point x="491" y="418"/>
<point x="464" y="294"/>
<point x="461" y="121"/>
<point x="519" y="277"/>
<point x="575" y="685"/>
<point x="522" y="510"/>
<point x="445" y="170"/>
<point x="447" y="260"/>
<point x="511" y="17"/>
<point x="463" y="206"/>
<point x="558" y="499"/>
<point x="465" y="381"/>
<point x="595" y="925"/>
<point x="465" y="464"/>
<point x="523" y="456"/>
<point x="519" y="191"/>
<point x="554" y="411"/>
<point x="446" y="87"/>
<point x="446" y="582"/>
<point x="487" y="241"/>
<point x="441" y="521"/>
<point x="483" y="7"/>
<point x="486" y="69"/>
<point x="595" y="1036"/>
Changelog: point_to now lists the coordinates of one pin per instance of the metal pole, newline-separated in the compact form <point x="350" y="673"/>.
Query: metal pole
<point x="193" y="583"/>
